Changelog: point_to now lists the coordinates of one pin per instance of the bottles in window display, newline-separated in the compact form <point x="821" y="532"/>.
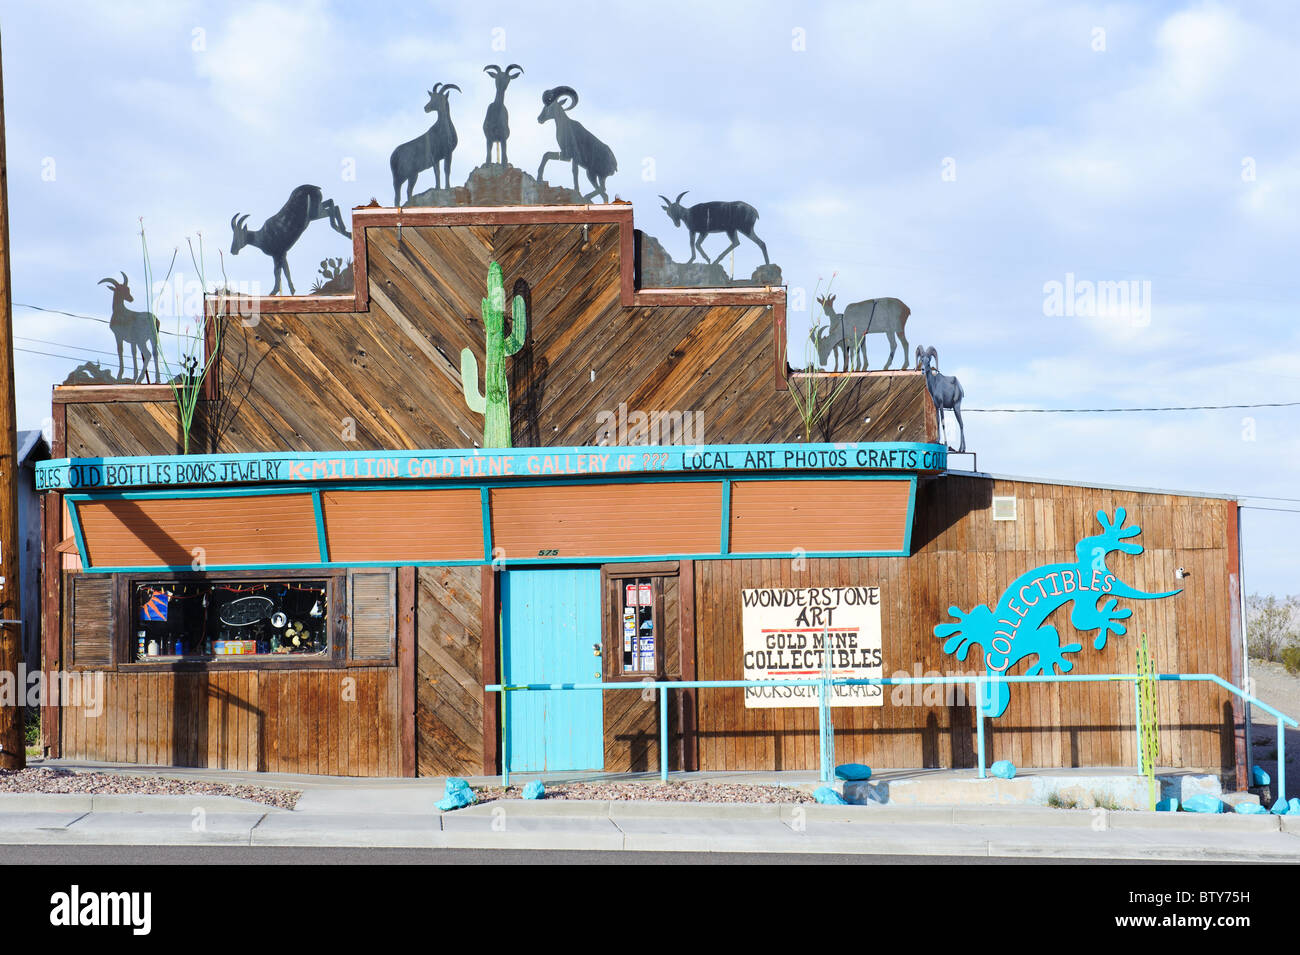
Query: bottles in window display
<point x="222" y="618"/>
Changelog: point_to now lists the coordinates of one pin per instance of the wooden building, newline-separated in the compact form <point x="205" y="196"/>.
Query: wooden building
<point x="328" y="585"/>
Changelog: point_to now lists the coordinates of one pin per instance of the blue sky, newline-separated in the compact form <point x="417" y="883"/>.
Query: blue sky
<point x="959" y="156"/>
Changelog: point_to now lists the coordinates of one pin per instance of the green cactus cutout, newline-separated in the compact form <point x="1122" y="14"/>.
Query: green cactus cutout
<point x="493" y="403"/>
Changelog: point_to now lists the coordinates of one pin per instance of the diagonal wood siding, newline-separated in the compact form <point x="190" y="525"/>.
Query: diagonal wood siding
<point x="386" y="374"/>
<point x="448" y="676"/>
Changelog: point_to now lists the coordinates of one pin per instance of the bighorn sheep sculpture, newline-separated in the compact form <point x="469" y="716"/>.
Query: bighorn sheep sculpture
<point x="945" y="391"/>
<point x="496" y="124"/>
<point x="426" y="151"/>
<point x="577" y="145"/>
<point x="705" y="218"/>
<point x="137" y="329"/>
<point x="278" y="234"/>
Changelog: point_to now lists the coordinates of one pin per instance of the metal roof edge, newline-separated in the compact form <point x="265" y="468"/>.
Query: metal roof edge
<point x="1211" y="495"/>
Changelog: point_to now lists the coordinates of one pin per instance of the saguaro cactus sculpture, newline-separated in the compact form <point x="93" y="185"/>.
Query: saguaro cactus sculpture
<point x="493" y="403"/>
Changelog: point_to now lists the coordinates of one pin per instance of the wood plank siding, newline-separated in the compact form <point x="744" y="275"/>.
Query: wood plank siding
<point x="813" y="516"/>
<point x="608" y="520"/>
<point x="449" y="672"/>
<point x="403" y="525"/>
<point x="962" y="557"/>
<point x="336" y="722"/>
<point x="254" y="529"/>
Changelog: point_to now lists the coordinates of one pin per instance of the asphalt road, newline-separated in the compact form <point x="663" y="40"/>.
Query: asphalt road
<point x="239" y="855"/>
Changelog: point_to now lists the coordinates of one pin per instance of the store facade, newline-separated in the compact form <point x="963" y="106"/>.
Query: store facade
<point x="328" y="587"/>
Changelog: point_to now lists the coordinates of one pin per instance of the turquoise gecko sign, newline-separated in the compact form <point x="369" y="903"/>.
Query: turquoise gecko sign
<point x="1017" y="628"/>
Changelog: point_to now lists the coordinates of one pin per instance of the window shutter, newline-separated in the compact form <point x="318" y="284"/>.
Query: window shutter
<point x="372" y="610"/>
<point x="91" y="619"/>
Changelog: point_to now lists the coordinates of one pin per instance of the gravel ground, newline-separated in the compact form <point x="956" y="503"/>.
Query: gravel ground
<point x="654" y="792"/>
<point x="43" y="780"/>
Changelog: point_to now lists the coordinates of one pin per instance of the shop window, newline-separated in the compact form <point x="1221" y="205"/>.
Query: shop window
<point x="636" y="621"/>
<point x="222" y="619"/>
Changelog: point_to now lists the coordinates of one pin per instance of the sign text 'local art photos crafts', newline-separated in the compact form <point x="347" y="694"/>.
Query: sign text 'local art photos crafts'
<point x="213" y="469"/>
<point x="803" y="633"/>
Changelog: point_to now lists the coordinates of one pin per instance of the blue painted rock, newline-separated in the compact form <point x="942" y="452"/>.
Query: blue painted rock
<point x="1203" y="802"/>
<point x="1003" y="769"/>
<point x="535" y="790"/>
<point x="1250" y="809"/>
<point x="456" y="800"/>
<point x="1280" y="808"/>
<point x="1167" y="805"/>
<point x="853" y="772"/>
<point x="456" y="794"/>
<point x="1258" y="777"/>
<point x="1293" y="805"/>
<point x="829" y="797"/>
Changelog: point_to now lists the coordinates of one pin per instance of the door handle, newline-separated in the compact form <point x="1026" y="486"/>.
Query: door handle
<point x="595" y="649"/>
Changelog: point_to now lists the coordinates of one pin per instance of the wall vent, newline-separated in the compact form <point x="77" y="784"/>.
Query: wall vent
<point x="1004" y="508"/>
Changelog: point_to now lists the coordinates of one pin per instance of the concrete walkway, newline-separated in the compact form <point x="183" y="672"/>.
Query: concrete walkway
<point x="401" y="813"/>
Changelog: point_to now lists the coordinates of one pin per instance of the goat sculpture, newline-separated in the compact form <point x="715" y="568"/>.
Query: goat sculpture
<point x="496" y="124"/>
<point x="833" y="340"/>
<point x="278" y="234"/>
<point x="883" y="316"/>
<point x="945" y="391"/>
<point x="137" y="329"/>
<point x="705" y="218"/>
<point x="577" y="145"/>
<point x="423" y="152"/>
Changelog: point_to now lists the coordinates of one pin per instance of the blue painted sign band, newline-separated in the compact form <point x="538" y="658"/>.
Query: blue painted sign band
<point x="92" y="474"/>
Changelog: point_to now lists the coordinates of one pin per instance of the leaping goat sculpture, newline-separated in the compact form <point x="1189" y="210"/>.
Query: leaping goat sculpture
<point x="705" y="218"/>
<point x="496" y="124"/>
<point x="427" y="151"/>
<point x="278" y="234"/>
<point x="577" y="145"/>
<point x="945" y="392"/>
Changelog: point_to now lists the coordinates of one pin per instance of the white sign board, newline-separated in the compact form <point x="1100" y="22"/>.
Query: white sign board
<point x="794" y="633"/>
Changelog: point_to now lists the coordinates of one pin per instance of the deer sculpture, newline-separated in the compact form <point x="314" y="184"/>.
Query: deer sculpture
<point x="135" y="328"/>
<point x="278" y="234"/>
<point x="705" y="218"/>
<point x="427" y="151"/>
<point x="882" y="316"/>
<point x="577" y="145"/>
<point x="945" y="392"/>
<point x="496" y="124"/>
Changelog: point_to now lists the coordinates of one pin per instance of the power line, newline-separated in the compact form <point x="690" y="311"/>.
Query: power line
<point x="1265" y="404"/>
<point x="32" y="351"/>
<point x="88" y="318"/>
<point x="43" y="341"/>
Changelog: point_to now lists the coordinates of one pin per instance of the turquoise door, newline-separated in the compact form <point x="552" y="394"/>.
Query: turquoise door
<point x="550" y="620"/>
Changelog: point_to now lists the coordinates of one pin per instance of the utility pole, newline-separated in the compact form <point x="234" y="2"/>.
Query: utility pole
<point x="13" y="753"/>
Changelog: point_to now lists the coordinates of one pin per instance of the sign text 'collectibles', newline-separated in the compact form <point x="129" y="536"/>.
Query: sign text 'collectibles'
<point x="803" y="634"/>
<point x="211" y="469"/>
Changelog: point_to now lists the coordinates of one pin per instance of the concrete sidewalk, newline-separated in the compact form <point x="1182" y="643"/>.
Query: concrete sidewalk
<point x="400" y="813"/>
<point x="374" y="818"/>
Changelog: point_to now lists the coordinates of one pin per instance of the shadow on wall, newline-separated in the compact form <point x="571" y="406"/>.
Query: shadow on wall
<point x="943" y="501"/>
<point x="195" y="736"/>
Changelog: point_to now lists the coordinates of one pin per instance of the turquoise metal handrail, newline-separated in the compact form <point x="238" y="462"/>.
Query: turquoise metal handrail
<point x="826" y="755"/>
